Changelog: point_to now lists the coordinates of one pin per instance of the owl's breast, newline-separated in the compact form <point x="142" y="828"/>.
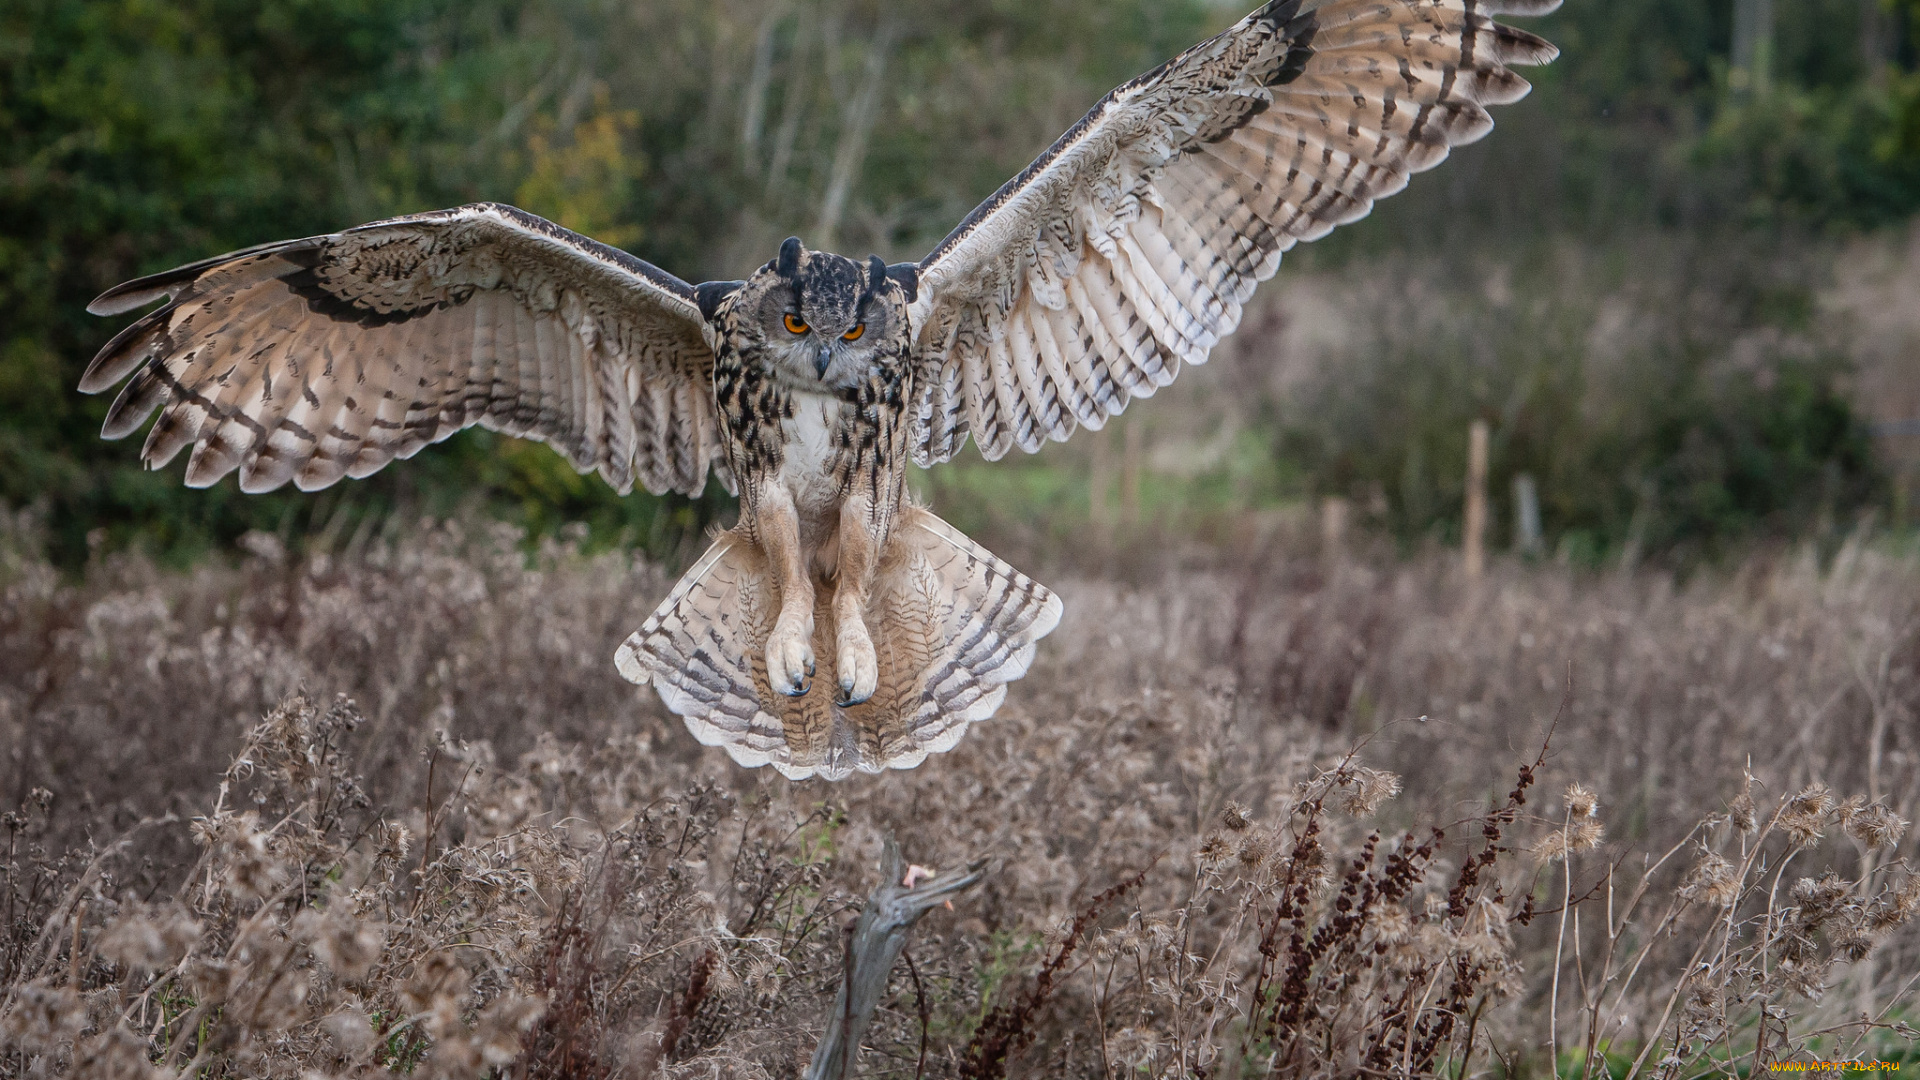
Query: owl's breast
<point x="813" y="435"/>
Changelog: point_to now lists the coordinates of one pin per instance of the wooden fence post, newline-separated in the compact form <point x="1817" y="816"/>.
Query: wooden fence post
<point x="1333" y="525"/>
<point x="1527" y="539"/>
<point x="1475" y="534"/>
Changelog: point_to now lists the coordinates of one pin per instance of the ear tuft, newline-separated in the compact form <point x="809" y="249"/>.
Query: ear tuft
<point x="788" y="264"/>
<point x="907" y="276"/>
<point x="876" y="273"/>
<point x="711" y="294"/>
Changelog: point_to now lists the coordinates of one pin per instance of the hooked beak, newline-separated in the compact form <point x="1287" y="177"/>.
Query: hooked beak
<point x="821" y="359"/>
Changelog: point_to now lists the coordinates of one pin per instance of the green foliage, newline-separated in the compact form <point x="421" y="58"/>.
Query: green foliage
<point x="1664" y="398"/>
<point x="136" y="135"/>
<point x="1814" y="157"/>
<point x="1635" y="128"/>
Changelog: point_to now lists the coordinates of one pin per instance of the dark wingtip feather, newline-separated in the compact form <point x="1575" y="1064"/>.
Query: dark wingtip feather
<point x="138" y="293"/>
<point x="134" y="405"/>
<point x="129" y="349"/>
<point x="145" y="290"/>
<point x="1520" y="47"/>
<point x="168" y="436"/>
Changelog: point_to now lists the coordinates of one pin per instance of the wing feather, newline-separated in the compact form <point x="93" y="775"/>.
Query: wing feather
<point x="1168" y="320"/>
<point x="1089" y="354"/>
<point x="1130" y="246"/>
<point x="1019" y="427"/>
<point x="1051" y="326"/>
<point x="307" y="360"/>
<point x="942" y="410"/>
<point x="1128" y="340"/>
<point x="985" y="395"/>
<point x="953" y="625"/>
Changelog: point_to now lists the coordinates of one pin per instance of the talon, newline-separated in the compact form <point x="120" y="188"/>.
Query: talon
<point x="858" y="667"/>
<point x="790" y="661"/>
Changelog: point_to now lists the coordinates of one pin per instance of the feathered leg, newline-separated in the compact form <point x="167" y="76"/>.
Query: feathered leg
<point x="776" y="526"/>
<point x="862" y="537"/>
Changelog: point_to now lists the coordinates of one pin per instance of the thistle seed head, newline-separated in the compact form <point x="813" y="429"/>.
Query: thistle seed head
<point x="1874" y="825"/>
<point x="1711" y="881"/>
<point x="1742" y="812"/>
<point x="1581" y="801"/>
<point x="1236" y="817"/>
<point x="1805" y="815"/>
<point x="1367" y="789"/>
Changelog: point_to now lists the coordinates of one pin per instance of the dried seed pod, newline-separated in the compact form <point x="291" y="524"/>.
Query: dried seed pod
<point x="1235" y="817"/>
<point x="1552" y="847"/>
<point x="1253" y="851"/>
<point x="1581" y="801"/>
<point x="1586" y="835"/>
<point x="1711" y="881"/>
<point x="1874" y="825"/>
<point x="1391" y="925"/>
<point x="1805" y="815"/>
<point x="1742" y="812"/>
<point x="1817" y="900"/>
<point x="1368" y="789"/>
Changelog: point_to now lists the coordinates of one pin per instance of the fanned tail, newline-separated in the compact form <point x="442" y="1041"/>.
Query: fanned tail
<point x="952" y="625"/>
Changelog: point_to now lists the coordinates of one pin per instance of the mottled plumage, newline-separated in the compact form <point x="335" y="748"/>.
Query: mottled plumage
<point x="837" y="627"/>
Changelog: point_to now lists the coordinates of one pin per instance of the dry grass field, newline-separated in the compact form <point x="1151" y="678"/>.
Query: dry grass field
<point x="360" y="793"/>
<point x="387" y="809"/>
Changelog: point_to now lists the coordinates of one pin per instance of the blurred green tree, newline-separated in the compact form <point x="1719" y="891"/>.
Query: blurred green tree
<point x="136" y="134"/>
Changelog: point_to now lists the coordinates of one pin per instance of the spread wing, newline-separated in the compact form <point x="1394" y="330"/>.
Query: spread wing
<point x="309" y="360"/>
<point x="1129" y="247"/>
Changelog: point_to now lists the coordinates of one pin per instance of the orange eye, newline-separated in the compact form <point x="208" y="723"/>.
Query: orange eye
<point x="854" y="334"/>
<point x="795" y="325"/>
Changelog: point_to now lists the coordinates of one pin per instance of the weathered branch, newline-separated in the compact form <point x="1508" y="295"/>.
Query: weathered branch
<point x="874" y="944"/>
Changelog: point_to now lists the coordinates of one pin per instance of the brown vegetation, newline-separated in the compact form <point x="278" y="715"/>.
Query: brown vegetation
<point x="1221" y="843"/>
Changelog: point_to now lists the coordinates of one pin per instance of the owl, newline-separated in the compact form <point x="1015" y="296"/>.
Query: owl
<point x="839" y="627"/>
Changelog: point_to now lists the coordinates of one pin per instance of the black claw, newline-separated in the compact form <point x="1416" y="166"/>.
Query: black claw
<point x="800" y="690"/>
<point x="809" y="669"/>
<point x="846" y="698"/>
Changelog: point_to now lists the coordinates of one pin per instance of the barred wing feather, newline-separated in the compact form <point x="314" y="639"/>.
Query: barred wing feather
<point x="1129" y="247"/>
<point x="309" y="360"/>
<point x="952" y="625"/>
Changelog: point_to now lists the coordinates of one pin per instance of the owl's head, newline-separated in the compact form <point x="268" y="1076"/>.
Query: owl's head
<point x="815" y="317"/>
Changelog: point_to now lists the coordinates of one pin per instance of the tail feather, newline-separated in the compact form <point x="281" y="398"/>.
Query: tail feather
<point x="952" y="625"/>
